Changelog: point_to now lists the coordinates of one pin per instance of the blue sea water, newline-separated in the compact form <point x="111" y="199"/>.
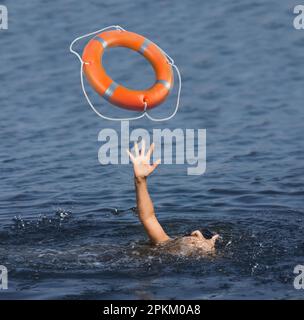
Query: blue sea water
<point x="67" y="224"/>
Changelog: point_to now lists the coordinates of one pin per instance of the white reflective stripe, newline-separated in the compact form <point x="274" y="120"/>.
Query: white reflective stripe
<point x="165" y="83"/>
<point x="109" y="92"/>
<point x="103" y="42"/>
<point x="144" y="46"/>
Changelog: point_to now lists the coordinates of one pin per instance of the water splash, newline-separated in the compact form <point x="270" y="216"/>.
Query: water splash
<point x="43" y="221"/>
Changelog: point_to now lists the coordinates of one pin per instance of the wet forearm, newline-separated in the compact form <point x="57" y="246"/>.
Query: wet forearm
<point x="144" y="203"/>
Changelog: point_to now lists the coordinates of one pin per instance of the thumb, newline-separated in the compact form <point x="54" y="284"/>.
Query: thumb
<point x="155" y="164"/>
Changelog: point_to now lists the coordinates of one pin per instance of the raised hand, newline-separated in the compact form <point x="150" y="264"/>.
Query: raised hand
<point x="141" y="161"/>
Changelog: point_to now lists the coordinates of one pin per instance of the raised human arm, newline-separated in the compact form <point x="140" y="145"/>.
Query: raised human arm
<point x="142" y="169"/>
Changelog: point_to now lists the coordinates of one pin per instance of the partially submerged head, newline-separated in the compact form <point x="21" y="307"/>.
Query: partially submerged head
<point x="193" y="244"/>
<point x="197" y="240"/>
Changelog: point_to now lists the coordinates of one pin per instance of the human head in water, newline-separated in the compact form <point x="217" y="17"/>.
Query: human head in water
<point x="142" y="169"/>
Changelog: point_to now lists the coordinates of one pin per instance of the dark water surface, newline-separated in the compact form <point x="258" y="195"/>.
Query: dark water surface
<point x="67" y="227"/>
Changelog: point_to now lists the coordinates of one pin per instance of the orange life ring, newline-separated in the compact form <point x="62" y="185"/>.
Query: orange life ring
<point x="115" y="93"/>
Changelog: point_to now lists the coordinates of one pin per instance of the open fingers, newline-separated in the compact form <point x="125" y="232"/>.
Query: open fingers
<point x="143" y="147"/>
<point x="155" y="164"/>
<point x="136" y="149"/>
<point x="130" y="155"/>
<point x="150" y="151"/>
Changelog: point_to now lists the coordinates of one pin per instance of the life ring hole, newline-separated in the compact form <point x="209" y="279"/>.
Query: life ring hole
<point x="128" y="68"/>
